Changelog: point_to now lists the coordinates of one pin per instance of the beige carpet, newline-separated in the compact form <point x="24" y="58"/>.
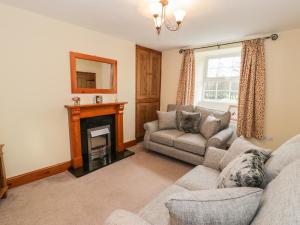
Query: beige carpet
<point x="65" y="200"/>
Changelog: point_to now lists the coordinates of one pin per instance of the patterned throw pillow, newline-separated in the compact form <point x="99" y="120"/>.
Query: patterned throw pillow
<point x="210" y="126"/>
<point x="247" y="170"/>
<point x="188" y="122"/>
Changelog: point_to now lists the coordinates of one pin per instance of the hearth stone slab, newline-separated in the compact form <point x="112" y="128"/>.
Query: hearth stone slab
<point x="100" y="163"/>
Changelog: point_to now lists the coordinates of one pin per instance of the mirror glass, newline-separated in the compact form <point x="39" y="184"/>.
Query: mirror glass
<point x="94" y="74"/>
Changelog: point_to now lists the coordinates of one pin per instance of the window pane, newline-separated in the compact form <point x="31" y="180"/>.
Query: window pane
<point x="213" y="63"/>
<point x="226" y="62"/>
<point x="225" y="72"/>
<point x="222" y="95"/>
<point x="210" y="85"/>
<point x="210" y="95"/>
<point x="235" y="72"/>
<point x="237" y="62"/>
<point x="211" y="72"/>
<point x="235" y="85"/>
<point x="233" y="96"/>
<point x="224" y="85"/>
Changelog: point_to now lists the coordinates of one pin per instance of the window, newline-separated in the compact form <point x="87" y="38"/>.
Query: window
<point x="219" y="72"/>
<point x="221" y="78"/>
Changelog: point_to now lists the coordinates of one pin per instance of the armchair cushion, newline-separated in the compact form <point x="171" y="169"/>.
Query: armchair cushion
<point x="213" y="157"/>
<point x="220" y="139"/>
<point x="123" y="217"/>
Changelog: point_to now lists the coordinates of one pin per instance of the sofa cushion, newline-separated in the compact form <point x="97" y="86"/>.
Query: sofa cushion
<point x="155" y="212"/>
<point x="199" y="178"/>
<point x="166" y="120"/>
<point x="223" y="116"/>
<point x="240" y="145"/>
<point x="174" y="107"/>
<point x="165" y="137"/>
<point x="188" y="121"/>
<point x="230" y="206"/>
<point x="176" y="153"/>
<point x="280" y="203"/>
<point x="246" y="170"/>
<point x="284" y="155"/>
<point x="193" y="143"/>
<point x="210" y="126"/>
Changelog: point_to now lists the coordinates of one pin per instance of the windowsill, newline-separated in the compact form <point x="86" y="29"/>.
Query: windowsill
<point x="221" y="106"/>
<point x="218" y="102"/>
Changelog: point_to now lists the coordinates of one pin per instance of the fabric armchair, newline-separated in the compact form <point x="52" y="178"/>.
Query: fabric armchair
<point x="220" y="139"/>
<point x="213" y="157"/>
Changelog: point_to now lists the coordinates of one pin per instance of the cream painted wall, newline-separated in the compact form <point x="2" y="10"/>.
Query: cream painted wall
<point x="282" y="86"/>
<point x="35" y="85"/>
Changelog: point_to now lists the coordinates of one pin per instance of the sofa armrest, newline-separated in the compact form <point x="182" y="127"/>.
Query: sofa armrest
<point x="151" y="126"/>
<point x="220" y="139"/>
<point x="123" y="217"/>
<point x="213" y="157"/>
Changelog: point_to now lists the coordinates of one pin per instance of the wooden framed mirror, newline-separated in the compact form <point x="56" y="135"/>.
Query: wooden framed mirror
<point x="93" y="74"/>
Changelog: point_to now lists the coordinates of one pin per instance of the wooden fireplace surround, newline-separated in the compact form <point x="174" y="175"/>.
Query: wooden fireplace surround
<point x="84" y="111"/>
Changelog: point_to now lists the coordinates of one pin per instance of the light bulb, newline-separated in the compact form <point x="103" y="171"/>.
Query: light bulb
<point x="156" y="8"/>
<point x="157" y="22"/>
<point x="179" y="15"/>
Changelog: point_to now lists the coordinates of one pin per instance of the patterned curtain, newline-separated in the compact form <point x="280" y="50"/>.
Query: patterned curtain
<point x="251" y="105"/>
<point x="186" y="86"/>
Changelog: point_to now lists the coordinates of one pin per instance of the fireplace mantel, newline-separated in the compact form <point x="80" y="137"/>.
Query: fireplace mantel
<point x="77" y="112"/>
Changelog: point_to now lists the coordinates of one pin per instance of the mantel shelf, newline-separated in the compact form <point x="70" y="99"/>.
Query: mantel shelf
<point x="95" y="105"/>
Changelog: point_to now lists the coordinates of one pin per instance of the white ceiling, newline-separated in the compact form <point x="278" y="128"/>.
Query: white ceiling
<point x="207" y="21"/>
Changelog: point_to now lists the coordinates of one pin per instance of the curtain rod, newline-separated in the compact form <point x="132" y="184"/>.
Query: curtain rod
<point x="272" y="37"/>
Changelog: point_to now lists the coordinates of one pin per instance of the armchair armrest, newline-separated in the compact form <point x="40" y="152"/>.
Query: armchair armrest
<point x="220" y="139"/>
<point x="213" y="157"/>
<point x="123" y="217"/>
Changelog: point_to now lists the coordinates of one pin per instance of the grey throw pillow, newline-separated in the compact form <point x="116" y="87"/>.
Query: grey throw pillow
<point x="240" y="145"/>
<point x="282" y="157"/>
<point x="166" y="120"/>
<point x="247" y="170"/>
<point x="188" y="121"/>
<point x="230" y="206"/>
<point x="210" y="126"/>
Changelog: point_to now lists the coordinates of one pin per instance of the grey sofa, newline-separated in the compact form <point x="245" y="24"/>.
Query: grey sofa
<point x="280" y="203"/>
<point x="187" y="147"/>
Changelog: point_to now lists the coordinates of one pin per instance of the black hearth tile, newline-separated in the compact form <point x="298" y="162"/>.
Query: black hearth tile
<point x="89" y="166"/>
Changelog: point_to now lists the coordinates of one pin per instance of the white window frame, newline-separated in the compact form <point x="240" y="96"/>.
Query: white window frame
<point x="205" y="78"/>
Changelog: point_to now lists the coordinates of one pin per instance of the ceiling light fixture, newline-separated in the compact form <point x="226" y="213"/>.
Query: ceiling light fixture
<point x="160" y="18"/>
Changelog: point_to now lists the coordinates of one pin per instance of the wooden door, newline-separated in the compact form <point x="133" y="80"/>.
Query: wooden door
<point x="148" y="78"/>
